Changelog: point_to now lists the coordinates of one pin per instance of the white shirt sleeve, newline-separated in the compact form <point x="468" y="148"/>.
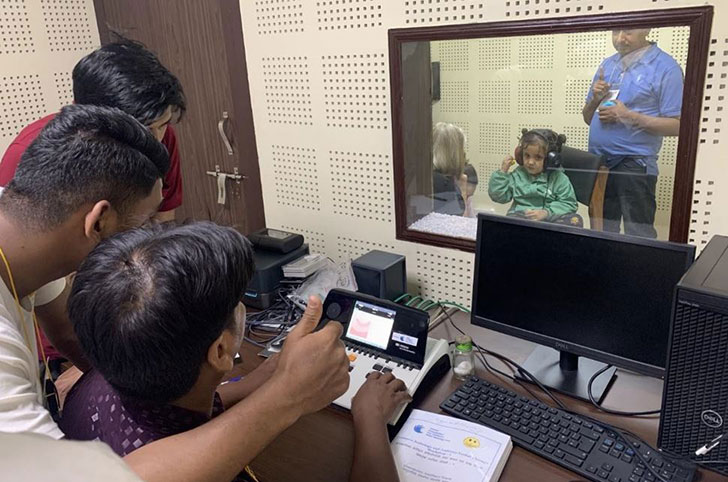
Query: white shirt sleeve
<point x="47" y="293"/>
<point x="21" y="408"/>
<point x="31" y="457"/>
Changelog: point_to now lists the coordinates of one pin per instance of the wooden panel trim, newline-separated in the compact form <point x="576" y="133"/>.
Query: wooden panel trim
<point x="398" y="167"/>
<point x="689" y="137"/>
<point x="100" y="12"/>
<point x="243" y="140"/>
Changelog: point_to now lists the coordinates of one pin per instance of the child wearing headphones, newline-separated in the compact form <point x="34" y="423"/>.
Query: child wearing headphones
<point x="538" y="187"/>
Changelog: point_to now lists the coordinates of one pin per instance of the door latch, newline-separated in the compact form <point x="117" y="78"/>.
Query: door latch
<point x="222" y="177"/>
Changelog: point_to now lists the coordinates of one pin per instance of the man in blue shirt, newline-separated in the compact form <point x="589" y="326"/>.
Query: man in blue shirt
<point x="634" y="101"/>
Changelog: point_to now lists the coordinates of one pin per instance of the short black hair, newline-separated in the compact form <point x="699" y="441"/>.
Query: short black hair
<point x="146" y="304"/>
<point x="85" y="154"/>
<point x="548" y="139"/>
<point x="127" y="76"/>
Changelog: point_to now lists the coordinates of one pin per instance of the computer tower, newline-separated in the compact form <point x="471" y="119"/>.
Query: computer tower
<point x="695" y="397"/>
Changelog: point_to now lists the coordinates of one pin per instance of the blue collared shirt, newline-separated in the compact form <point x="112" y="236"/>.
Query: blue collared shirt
<point x="652" y="85"/>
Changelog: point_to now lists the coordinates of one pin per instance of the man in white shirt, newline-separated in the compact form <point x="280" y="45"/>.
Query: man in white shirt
<point x="92" y="172"/>
<point x="26" y="405"/>
<point x="62" y="460"/>
<point x="21" y="394"/>
<point x="114" y="175"/>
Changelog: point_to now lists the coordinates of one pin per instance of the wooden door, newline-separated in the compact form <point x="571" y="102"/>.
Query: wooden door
<point x="201" y="42"/>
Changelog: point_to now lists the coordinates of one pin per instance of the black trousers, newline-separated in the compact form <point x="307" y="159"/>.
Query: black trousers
<point x="630" y="197"/>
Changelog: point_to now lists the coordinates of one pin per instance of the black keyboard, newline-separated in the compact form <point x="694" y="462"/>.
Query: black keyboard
<point x="580" y="445"/>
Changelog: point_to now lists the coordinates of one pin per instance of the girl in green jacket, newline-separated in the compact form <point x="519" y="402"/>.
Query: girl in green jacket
<point x="538" y="193"/>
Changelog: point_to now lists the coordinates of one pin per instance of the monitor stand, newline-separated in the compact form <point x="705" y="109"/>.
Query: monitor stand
<point x="568" y="373"/>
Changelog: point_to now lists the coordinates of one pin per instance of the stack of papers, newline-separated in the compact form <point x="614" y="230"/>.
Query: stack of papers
<point x="305" y="266"/>
<point x="440" y="448"/>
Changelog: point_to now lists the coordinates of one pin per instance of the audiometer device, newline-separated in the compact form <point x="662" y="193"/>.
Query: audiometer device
<point x="386" y="337"/>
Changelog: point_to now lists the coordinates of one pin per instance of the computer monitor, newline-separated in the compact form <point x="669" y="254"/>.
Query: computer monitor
<point x="579" y="293"/>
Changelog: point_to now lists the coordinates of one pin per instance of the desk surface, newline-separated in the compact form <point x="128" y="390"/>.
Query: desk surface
<point x="319" y="447"/>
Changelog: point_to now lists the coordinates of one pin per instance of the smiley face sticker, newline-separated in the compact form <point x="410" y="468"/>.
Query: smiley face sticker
<point x="471" y="442"/>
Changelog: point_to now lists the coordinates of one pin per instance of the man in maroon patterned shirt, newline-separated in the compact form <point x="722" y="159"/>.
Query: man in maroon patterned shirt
<point x="158" y="313"/>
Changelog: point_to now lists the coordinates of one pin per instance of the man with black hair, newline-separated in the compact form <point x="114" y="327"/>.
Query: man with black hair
<point x="94" y="171"/>
<point x="158" y="312"/>
<point x="633" y="103"/>
<point x="129" y="77"/>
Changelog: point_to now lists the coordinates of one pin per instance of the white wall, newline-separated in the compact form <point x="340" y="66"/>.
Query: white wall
<point x="40" y="42"/>
<point x="319" y="80"/>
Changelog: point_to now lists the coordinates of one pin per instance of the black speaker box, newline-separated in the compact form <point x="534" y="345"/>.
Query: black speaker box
<point x="695" y="398"/>
<point x="381" y="274"/>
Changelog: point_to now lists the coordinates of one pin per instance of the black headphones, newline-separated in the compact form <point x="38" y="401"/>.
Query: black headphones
<point x="554" y="142"/>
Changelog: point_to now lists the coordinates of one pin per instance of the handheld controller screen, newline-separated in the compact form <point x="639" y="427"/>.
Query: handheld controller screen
<point x="371" y="325"/>
<point x="380" y="325"/>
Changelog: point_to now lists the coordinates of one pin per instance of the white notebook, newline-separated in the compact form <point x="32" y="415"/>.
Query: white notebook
<point x="438" y="447"/>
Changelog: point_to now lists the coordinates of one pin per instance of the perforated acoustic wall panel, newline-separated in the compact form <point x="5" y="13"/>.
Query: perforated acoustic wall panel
<point x="494" y="96"/>
<point x="495" y="138"/>
<point x="444" y="11"/>
<point x="16" y="35"/>
<point x="444" y="276"/>
<point x="344" y="47"/>
<point x="577" y="136"/>
<point x="361" y="184"/>
<point x="352" y="248"/>
<point x="64" y="87"/>
<point x="288" y="90"/>
<point x="296" y="177"/>
<point x="22" y="102"/>
<point x="40" y="42"/>
<point x="494" y="53"/>
<point x="532" y="8"/>
<point x="574" y="98"/>
<point x="348" y="14"/>
<point x="534" y="96"/>
<point x="455" y="55"/>
<point x="583" y="48"/>
<point x="455" y="96"/>
<point x="279" y="16"/>
<point x="704" y="204"/>
<point x="69" y="25"/>
<point x="355" y="87"/>
<point x="536" y="52"/>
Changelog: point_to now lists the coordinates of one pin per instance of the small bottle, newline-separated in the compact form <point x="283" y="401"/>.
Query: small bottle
<point x="463" y="363"/>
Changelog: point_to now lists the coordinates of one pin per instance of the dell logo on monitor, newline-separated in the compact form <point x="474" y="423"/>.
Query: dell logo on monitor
<point x="712" y="419"/>
<point x="561" y="346"/>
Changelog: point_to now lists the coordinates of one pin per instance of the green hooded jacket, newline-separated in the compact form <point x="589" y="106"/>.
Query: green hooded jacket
<point x="551" y="190"/>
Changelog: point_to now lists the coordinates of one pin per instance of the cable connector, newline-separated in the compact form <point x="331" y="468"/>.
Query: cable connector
<point x="709" y="446"/>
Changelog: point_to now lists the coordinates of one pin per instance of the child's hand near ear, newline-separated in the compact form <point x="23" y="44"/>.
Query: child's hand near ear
<point x="462" y="183"/>
<point x="507" y="163"/>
